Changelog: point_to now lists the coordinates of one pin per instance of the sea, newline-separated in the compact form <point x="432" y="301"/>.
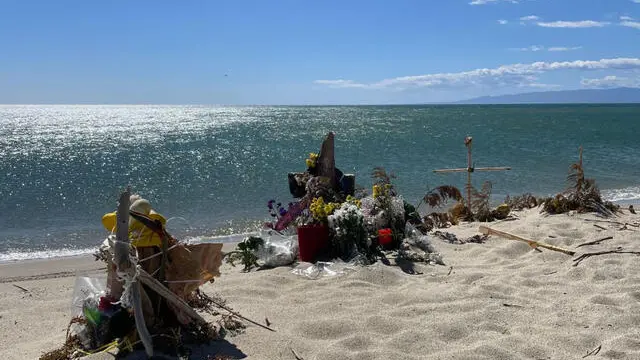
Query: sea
<point x="212" y="169"/>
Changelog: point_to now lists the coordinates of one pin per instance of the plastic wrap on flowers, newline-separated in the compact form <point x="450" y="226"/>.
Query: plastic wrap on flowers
<point x="350" y="234"/>
<point x="397" y="209"/>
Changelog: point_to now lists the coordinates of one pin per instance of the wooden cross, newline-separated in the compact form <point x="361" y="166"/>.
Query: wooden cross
<point x="469" y="169"/>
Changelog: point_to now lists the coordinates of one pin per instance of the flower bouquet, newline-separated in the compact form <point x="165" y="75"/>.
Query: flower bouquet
<point x="350" y="235"/>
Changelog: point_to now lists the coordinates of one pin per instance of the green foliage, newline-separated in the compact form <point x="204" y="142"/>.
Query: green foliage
<point x="246" y="253"/>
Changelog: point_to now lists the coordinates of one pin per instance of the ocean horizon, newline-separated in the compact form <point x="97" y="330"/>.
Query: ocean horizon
<point x="212" y="169"/>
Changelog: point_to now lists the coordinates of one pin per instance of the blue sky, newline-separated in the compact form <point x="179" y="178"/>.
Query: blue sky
<point x="311" y="52"/>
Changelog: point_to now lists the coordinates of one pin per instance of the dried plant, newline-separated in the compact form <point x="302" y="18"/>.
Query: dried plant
<point x="69" y="347"/>
<point x="480" y="206"/>
<point x="381" y="177"/>
<point x="439" y="196"/>
<point x="582" y="195"/>
<point x="524" y="201"/>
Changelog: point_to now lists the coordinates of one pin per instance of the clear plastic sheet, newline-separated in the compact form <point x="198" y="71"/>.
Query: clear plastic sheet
<point x="323" y="269"/>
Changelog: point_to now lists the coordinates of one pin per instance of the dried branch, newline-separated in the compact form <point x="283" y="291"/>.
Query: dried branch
<point x="596" y="242"/>
<point x="619" y="250"/>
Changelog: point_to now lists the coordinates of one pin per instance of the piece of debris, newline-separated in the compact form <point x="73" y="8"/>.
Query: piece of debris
<point x="631" y="209"/>
<point x="453" y="239"/>
<point x="512" y="305"/>
<point x="596" y="242"/>
<point x="593" y="352"/>
<point x="619" y="250"/>
<point x="298" y="357"/>
<point x="20" y="287"/>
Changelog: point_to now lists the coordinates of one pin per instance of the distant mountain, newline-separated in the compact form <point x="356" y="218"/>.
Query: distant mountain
<point x="617" y="95"/>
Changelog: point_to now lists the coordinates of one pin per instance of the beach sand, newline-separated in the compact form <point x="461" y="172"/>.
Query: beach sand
<point x="497" y="300"/>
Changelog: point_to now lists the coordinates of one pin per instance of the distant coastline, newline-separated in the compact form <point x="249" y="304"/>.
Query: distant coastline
<point x="585" y="96"/>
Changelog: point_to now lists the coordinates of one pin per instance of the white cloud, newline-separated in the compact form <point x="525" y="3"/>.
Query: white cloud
<point x="573" y="24"/>
<point x="631" y="24"/>
<point x="340" y="83"/>
<point x="636" y="1"/>
<point x="553" y="48"/>
<point x="530" y="48"/>
<point x="505" y="75"/>
<point x="564" y="48"/>
<point x="484" y="2"/>
<point x="626" y="18"/>
<point x="610" y="82"/>
<point x="502" y="22"/>
<point x="529" y="18"/>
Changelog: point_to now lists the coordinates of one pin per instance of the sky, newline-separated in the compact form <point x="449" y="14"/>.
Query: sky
<point x="242" y="52"/>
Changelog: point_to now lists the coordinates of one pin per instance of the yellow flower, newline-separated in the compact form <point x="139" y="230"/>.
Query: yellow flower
<point x="317" y="209"/>
<point x="353" y="200"/>
<point x="311" y="160"/>
<point x="376" y="191"/>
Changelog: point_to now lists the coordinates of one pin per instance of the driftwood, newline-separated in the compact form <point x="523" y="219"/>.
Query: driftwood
<point x="619" y="250"/>
<point x="123" y="264"/>
<point x="326" y="162"/>
<point x="596" y="242"/>
<point x="488" y="231"/>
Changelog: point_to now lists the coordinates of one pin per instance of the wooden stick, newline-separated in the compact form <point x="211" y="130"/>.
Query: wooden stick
<point x="298" y="357"/>
<point x="163" y="291"/>
<point x="495" y="168"/>
<point x="20" y="287"/>
<point x="489" y="231"/>
<point x="596" y="241"/>
<point x="123" y="263"/>
<point x="600" y="227"/>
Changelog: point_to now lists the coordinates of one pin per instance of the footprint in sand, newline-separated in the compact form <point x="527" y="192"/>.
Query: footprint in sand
<point x="383" y="325"/>
<point x="326" y="329"/>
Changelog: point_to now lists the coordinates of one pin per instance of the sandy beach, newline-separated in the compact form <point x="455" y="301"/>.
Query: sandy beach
<point x="497" y="300"/>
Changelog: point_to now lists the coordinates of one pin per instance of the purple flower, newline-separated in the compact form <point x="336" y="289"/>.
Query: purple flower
<point x="270" y="204"/>
<point x="283" y="212"/>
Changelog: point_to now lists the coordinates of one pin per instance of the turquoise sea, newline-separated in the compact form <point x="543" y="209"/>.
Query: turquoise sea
<point x="213" y="169"/>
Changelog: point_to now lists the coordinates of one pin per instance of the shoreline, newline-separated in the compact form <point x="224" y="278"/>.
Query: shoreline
<point x="230" y="238"/>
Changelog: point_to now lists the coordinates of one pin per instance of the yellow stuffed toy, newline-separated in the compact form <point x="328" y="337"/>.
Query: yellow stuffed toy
<point x="140" y="235"/>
